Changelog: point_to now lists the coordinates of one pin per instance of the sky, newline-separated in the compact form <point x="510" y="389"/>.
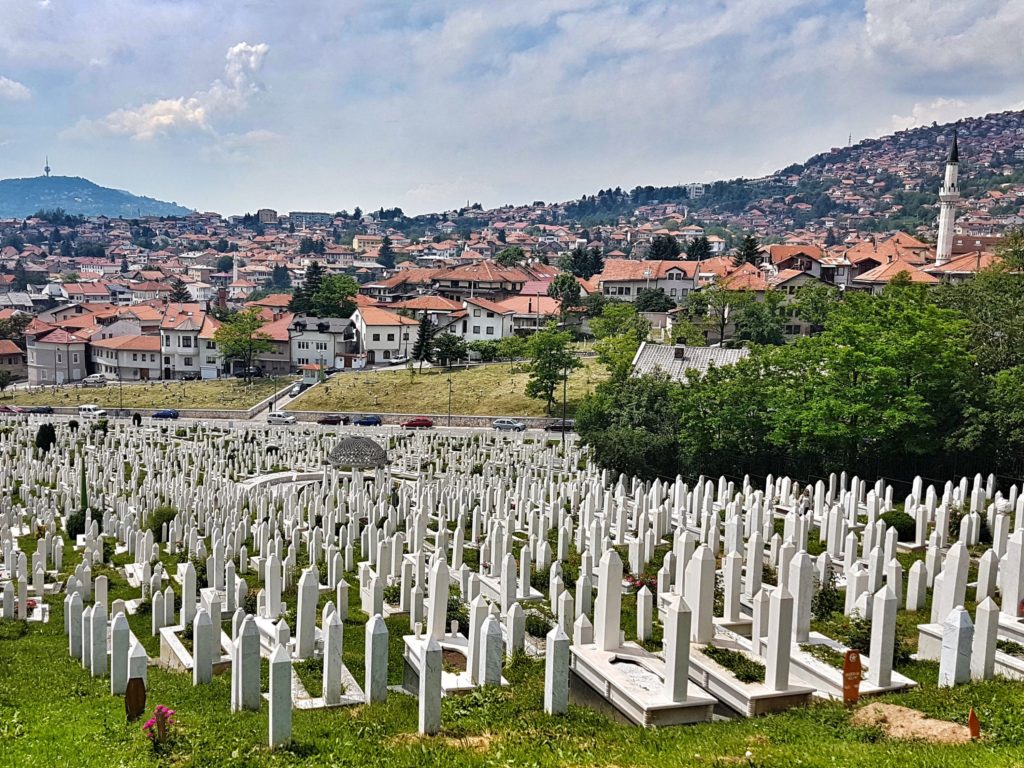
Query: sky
<point x="429" y="104"/>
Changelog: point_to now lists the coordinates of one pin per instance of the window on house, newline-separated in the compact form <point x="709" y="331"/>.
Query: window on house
<point x="188" y="361"/>
<point x="490" y="314"/>
<point x="476" y="329"/>
<point x="387" y="354"/>
<point x="476" y="313"/>
<point x="321" y="346"/>
<point x="60" y="359"/>
<point x="303" y="345"/>
<point x="210" y="345"/>
<point x="490" y="331"/>
<point x="376" y="337"/>
<point x="135" y="356"/>
<point x="167" y="361"/>
<point x="405" y="336"/>
<point x="74" y="358"/>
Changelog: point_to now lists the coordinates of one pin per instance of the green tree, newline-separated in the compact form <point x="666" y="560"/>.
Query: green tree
<point x="630" y="426"/>
<point x="566" y="291"/>
<point x="510" y="257"/>
<point x="6" y="379"/>
<point x="1011" y="248"/>
<point x="594" y="304"/>
<point x="46" y="437"/>
<point x="551" y="360"/>
<point x="762" y="322"/>
<point x="664" y="247"/>
<point x="813" y="302"/>
<point x="20" y="281"/>
<point x="279" y="278"/>
<point x="124" y="265"/>
<point x="221" y="246"/>
<point x="423" y="349"/>
<point x="302" y="299"/>
<point x="13" y="328"/>
<point x="712" y="309"/>
<point x="749" y="251"/>
<point x="240" y="339"/>
<point x="583" y="262"/>
<point x="179" y="292"/>
<point x="334" y="297"/>
<point x="992" y="302"/>
<point x="386" y="254"/>
<point x="449" y="348"/>
<point x="653" y="300"/>
<point x="224" y="264"/>
<point x="619" y="318"/>
<point x="486" y="348"/>
<point x="698" y="249"/>
<point x="511" y="348"/>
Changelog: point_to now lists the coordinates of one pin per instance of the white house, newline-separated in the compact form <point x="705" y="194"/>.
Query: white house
<point x="129" y="358"/>
<point x="483" y="321"/>
<point x="382" y="335"/>
<point x="321" y="341"/>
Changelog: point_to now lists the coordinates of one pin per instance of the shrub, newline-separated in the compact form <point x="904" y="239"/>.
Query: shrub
<point x="46" y="437"/>
<point x="457" y="611"/>
<point x="537" y="624"/>
<point x="539" y="579"/>
<point x="905" y="525"/>
<point x="73" y="425"/>
<point x="745" y="669"/>
<point x="75" y="525"/>
<point x="824" y="653"/>
<point x="162" y="514"/>
<point x="827" y="600"/>
<point x="392" y="594"/>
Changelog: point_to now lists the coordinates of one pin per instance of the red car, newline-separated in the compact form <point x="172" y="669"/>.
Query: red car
<point x="332" y="419"/>
<point x="420" y="422"/>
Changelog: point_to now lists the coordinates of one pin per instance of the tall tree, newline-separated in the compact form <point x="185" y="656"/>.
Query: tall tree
<point x="224" y="264"/>
<point x="749" y="251"/>
<point x="303" y="296"/>
<point x="423" y="349"/>
<point x="566" y="291"/>
<point x="511" y="348"/>
<point x="20" y="281"/>
<point x="179" y="292"/>
<point x="713" y="309"/>
<point x="279" y="278"/>
<point x="762" y="322"/>
<point x="583" y="262"/>
<point x="240" y="339"/>
<point x="664" y="247"/>
<point x="813" y="302"/>
<point x="386" y="254"/>
<point x="334" y="297"/>
<point x="698" y="249"/>
<point x="551" y="360"/>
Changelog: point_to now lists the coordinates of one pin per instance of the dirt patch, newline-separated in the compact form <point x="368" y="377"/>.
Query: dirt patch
<point x="453" y="661"/>
<point x="898" y="722"/>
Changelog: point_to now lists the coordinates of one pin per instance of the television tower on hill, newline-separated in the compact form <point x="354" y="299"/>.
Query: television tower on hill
<point x="949" y="196"/>
<point x="46" y="168"/>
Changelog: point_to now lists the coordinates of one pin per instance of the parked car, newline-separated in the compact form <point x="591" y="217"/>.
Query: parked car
<point x="508" y="425"/>
<point x="368" y="421"/>
<point x="94" y="380"/>
<point x="190" y="376"/>
<point x="91" y="412"/>
<point x="297" y="389"/>
<point x="332" y="419"/>
<point x="44" y="409"/>
<point x="7" y="409"/>
<point x="280" y="417"/>
<point x="420" y="422"/>
<point x="562" y="425"/>
<point x="249" y="373"/>
<point x="167" y="413"/>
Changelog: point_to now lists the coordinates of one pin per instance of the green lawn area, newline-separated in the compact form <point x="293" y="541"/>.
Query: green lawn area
<point x="52" y="713"/>
<point x="222" y="394"/>
<point x="486" y="390"/>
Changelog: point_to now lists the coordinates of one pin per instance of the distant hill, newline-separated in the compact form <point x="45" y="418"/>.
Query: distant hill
<point x="23" y="197"/>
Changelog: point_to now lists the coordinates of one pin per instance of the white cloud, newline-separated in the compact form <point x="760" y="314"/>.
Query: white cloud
<point x="224" y="97"/>
<point x="12" y="90"/>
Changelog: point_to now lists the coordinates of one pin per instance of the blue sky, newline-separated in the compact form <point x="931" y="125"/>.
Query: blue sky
<point x="427" y="104"/>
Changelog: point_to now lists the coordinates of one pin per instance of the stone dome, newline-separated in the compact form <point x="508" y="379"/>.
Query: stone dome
<point x="357" y="452"/>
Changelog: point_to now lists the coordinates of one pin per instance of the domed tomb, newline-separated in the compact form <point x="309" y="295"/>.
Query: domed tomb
<point x="357" y="452"/>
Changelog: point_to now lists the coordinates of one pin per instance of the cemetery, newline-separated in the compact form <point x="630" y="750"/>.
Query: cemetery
<point x="253" y="596"/>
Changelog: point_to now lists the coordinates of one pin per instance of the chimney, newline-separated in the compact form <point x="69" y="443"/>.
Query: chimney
<point x="679" y="353"/>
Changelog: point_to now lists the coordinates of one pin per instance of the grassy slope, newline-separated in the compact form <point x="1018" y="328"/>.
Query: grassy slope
<point x="53" y="714"/>
<point x="226" y="394"/>
<point x="488" y="390"/>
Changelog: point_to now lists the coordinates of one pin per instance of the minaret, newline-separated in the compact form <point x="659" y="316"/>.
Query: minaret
<point x="949" y="196"/>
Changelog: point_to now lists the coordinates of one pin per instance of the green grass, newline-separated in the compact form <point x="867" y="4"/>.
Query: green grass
<point x="487" y="390"/>
<point x="53" y="714"/>
<point x="223" y="394"/>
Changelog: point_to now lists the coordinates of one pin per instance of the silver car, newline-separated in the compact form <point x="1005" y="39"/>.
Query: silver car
<point x="508" y="425"/>
<point x="280" y="417"/>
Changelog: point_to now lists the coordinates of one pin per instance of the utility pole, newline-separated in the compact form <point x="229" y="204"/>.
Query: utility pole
<point x="565" y="388"/>
<point x="449" y="393"/>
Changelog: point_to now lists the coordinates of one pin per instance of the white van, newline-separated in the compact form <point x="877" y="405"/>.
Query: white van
<point x="91" y="412"/>
<point x="94" y="380"/>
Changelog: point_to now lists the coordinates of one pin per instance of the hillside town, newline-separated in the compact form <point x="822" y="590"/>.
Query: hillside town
<point x="142" y="299"/>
